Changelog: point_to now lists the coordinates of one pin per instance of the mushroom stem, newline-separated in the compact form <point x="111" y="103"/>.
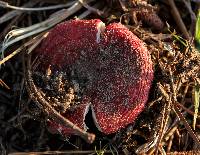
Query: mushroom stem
<point x="52" y="113"/>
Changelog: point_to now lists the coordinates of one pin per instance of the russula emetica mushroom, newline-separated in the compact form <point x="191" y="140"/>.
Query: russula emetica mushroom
<point x="108" y="68"/>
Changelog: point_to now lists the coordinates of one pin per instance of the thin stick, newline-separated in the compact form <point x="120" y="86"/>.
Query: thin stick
<point x="61" y="152"/>
<point x="84" y="3"/>
<point x="186" y="109"/>
<point x="192" y="16"/>
<point x="187" y="126"/>
<point x="87" y="12"/>
<point x="178" y="19"/>
<point x="3" y="84"/>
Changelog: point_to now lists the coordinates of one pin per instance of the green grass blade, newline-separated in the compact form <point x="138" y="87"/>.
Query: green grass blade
<point x="197" y="32"/>
<point x="196" y="103"/>
<point x="197" y="86"/>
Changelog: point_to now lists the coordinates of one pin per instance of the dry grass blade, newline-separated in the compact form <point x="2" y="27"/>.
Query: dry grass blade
<point x="38" y="40"/>
<point x="15" y="13"/>
<point x="3" y="84"/>
<point x="22" y="33"/>
<point x="148" y="147"/>
<point x="6" y="5"/>
<point x="19" y="34"/>
<point x="20" y="49"/>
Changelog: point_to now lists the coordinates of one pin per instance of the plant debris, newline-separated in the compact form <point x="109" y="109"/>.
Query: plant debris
<point x="169" y="123"/>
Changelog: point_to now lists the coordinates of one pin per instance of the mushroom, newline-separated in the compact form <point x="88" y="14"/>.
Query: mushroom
<point x="109" y="68"/>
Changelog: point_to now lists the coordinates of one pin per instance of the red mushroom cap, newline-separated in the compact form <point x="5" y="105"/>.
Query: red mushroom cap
<point x="117" y="66"/>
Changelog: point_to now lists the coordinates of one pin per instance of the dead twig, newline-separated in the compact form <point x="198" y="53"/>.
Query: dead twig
<point x="186" y="109"/>
<point x="3" y="84"/>
<point x="178" y="19"/>
<point x="87" y="12"/>
<point x="187" y="126"/>
<point x="86" y="152"/>
<point x="36" y="95"/>
<point x="192" y="15"/>
<point x="165" y="116"/>
<point x="92" y="9"/>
